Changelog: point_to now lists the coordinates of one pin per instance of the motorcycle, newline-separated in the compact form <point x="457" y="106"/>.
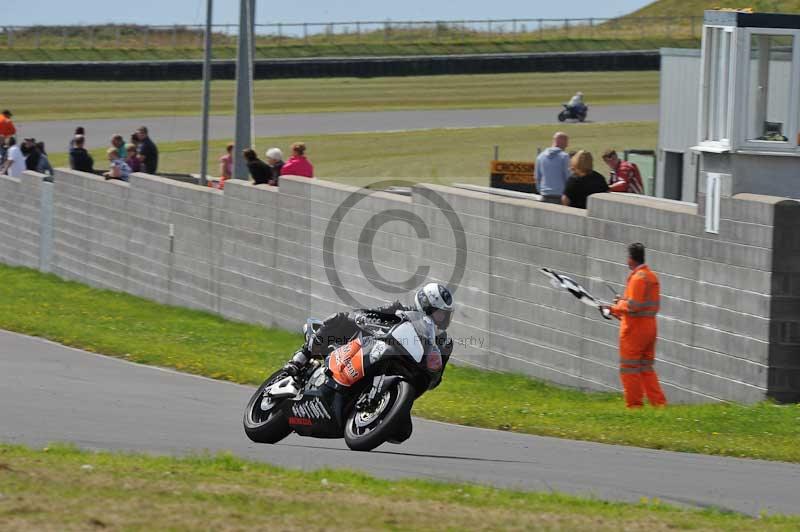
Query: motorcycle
<point x="362" y="390"/>
<point x="571" y="112"/>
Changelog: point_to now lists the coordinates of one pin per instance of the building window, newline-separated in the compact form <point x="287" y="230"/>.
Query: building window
<point x="769" y="88"/>
<point x="717" y="74"/>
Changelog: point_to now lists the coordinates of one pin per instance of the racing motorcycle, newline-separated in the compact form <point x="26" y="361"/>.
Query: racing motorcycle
<point x="572" y="112"/>
<point x="362" y="390"/>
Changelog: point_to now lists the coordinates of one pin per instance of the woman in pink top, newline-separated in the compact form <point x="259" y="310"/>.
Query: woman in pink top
<point x="225" y="169"/>
<point x="297" y="163"/>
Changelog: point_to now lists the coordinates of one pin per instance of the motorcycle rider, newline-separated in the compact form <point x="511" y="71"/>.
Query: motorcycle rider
<point x="576" y="104"/>
<point x="433" y="300"/>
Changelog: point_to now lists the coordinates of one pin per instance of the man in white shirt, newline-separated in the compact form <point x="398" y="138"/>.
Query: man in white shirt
<point x="15" y="162"/>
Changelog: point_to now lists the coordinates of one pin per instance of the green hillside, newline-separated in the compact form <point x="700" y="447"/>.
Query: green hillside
<point x="676" y="8"/>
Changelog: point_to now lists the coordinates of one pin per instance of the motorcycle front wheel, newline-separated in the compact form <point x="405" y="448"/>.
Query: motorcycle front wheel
<point x="369" y="427"/>
<point x="264" y="421"/>
<point x="562" y="116"/>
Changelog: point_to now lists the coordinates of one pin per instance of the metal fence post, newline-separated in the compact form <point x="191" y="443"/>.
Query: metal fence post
<point x="64" y="37"/>
<point x="386" y="29"/>
<point x="489" y="28"/>
<point x="358" y="31"/>
<point x="117" y="35"/>
<point x="305" y="32"/>
<point x="566" y="26"/>
<point x="174" y="36"/>
<point x="514" y="26"/>
<point x="541" y="28"/>
<point x="37" y="38"/>
<point x="10" y="36"/>
<point x="91" y="36"/>
<point x="280" y="33"/>
<point x="146" y="36"/>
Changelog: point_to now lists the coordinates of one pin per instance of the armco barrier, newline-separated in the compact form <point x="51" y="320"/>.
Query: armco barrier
<point x="337" y="67"/>
<point x="730" y="313"/>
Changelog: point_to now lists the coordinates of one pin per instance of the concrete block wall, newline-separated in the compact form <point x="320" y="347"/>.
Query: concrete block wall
<point x="728" y="328"/>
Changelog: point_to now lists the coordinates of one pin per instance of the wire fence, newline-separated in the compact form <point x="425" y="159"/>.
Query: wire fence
<point x="298" y="34"/>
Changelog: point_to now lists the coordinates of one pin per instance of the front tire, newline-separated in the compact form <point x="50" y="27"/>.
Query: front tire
<point x="562" y="116"/>
<point x="365" y="430"/>
<point x="268" y="425"/>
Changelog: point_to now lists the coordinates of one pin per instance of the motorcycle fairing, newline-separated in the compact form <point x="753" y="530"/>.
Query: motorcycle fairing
<point x="347" y="364"/>
<point x="317" y="413"/>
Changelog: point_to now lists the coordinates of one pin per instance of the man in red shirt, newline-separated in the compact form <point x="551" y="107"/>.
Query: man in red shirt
<point x="7" y="128"/>
<point x="625" y="176"/>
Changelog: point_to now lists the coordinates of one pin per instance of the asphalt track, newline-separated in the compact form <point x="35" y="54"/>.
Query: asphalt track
<point x="51" y="393"/>
<point x="56" y="134"/>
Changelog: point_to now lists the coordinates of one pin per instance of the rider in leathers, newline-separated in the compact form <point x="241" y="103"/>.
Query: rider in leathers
<point x="433" y="299"/>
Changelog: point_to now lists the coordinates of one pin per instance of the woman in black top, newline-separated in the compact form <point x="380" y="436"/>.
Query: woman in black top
<point x="584" y="181"/>
<point x="259" y="170"/>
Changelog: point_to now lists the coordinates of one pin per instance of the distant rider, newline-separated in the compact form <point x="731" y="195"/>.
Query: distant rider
<point x="433" y="300"/>
<point x="576" y="102"/>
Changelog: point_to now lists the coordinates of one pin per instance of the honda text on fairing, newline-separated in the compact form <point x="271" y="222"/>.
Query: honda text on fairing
<point x="362" y="389"/>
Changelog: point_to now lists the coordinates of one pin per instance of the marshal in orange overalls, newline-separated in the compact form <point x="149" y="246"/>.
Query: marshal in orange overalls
<point x="637" y="310"/>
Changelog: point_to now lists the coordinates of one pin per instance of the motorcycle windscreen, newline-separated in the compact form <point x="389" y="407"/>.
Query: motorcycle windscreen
<point x="406" y="337"/>
<point x="347" y="363"/>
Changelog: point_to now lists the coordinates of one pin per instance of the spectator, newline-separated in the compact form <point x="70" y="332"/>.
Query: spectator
<point x="298" y="164"/>
<point x="134" y="140"/>
<point x="31" y="153"/>
<point x="259" y="171"/>
<point x="119" y="143"/>
<point x="226" y="163"/>
<point x="584" y="181"/>
<point x="147" y="150"/>
<point x="78" y="131"/>
<point x="79" y="158"/>
<point x="625" y="176"/>
<point x="275" y="163"/>
<point x="133" y="159"/>
<point x="7" y="128"/>
<point x="2" y="150"/>
<point x="15" y="161"/>
<point x="119" y="169"/>
<point x="552" y="169"/>
<point x="44" y="166"/>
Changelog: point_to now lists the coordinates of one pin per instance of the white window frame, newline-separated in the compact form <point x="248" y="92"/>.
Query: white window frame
<point x="705" y="126"/>
<point x="792" y="122"/>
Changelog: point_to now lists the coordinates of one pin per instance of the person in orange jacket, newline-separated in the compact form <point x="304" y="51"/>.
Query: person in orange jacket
<point x="637" y="309"/>
<point x="7" y="128"/>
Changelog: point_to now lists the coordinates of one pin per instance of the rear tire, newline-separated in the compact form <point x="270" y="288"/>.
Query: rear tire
<point x="266" y="426"/>
<point x="362" y="433"/>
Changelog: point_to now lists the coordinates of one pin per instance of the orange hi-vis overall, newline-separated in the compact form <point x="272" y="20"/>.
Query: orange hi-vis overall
<point x="637" y="310"/>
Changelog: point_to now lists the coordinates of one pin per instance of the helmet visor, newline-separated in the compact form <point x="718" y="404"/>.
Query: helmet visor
<point x="441" y="318"/>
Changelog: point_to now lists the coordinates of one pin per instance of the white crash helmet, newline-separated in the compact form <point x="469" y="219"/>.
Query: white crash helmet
<point x="436" y="301"/>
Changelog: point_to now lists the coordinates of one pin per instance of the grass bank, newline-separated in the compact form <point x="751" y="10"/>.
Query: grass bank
<point x="61" y="488"/>
<point x="434" y="156"/>
<point x="142" y="331"/>
<point x="83" y="100"/>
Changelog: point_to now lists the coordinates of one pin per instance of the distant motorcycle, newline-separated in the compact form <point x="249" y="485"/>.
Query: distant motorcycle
<point x="572" y="112"/>
<point x="362" y="391"/>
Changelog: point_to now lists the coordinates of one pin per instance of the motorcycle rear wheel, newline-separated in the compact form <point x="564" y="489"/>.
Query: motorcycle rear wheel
<point x="365" y="430"/>
<point x="270" y="425"/>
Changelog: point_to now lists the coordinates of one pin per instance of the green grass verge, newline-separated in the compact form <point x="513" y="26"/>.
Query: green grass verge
<point x="677" y="8"/>
<point x="125" y="326"/>
<point x="434" y="156"/>
<point x="62" y="488"/>
<point x="84" y="100"/>
<point x="633" y="40"/>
